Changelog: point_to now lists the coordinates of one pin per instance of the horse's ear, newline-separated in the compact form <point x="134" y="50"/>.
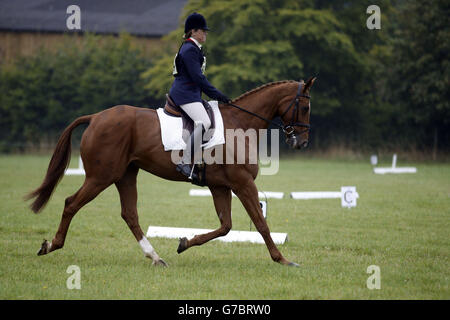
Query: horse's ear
<point x="309" y="83"/>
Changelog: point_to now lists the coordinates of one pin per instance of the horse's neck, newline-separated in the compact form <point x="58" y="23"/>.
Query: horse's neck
<point x="264" y="103"/>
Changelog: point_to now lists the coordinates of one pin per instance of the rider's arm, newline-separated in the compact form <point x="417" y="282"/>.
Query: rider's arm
<point x="193" y="66"/>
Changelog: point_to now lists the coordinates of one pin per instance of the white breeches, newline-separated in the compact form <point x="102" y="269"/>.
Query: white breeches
<point x="196" y="111"/>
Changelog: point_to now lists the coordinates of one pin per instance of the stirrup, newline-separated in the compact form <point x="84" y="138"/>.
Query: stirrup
<point x="192" y="171"/>
<point x="186" y="170"/>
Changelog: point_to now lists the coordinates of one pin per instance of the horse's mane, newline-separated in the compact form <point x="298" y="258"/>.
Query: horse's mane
<point x="270" y="84"/>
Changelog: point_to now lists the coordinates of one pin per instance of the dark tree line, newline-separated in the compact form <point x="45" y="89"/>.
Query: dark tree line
<point x="385" y="89"/>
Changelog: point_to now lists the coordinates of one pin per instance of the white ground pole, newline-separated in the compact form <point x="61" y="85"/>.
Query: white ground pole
<point x="261" y="194"/>
<point x="232" y="236"/>
<point x="78" y="171"/>
<point x="348" y="195"/>
<point x="394" y="168"/>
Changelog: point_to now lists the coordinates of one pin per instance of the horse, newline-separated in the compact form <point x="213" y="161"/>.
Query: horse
<point x="123" y="139"/>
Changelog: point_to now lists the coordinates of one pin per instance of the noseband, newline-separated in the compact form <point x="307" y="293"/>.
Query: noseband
<point x="289" y="128"/>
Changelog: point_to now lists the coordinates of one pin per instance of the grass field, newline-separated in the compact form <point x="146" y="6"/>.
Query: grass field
<point x="401" y="224"/>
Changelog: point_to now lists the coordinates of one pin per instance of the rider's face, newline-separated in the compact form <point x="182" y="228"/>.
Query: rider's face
<point x="200" y="35"/>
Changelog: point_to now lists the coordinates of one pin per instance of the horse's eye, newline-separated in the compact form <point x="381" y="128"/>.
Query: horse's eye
<point x="305" y="109"/>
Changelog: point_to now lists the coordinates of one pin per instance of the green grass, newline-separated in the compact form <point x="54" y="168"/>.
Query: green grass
<point x="401" y="224"/>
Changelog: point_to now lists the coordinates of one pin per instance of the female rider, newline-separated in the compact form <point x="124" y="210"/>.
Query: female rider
<point x="190" y="82"/>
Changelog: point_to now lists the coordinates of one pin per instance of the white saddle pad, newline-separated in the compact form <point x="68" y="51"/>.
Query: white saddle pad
<point x="172" y="130"/>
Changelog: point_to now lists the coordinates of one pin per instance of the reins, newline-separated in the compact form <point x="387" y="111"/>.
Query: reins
<point x="289" y="128"/>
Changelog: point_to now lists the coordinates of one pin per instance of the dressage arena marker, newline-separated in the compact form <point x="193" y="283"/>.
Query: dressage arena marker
<point x="394" y="168"/>
<point x="232" y="236"/>
<point x="374" y="159"/>
<point x="348" y="196"/>
<point x="76" y="172"/>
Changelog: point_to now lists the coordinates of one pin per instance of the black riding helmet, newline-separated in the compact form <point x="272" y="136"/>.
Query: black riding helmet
<point x="195" y="21"/>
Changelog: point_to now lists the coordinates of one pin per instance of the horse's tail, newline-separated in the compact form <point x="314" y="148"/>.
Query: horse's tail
<point x="56" y="167"/>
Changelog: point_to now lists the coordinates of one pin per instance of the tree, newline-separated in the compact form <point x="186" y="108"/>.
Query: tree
<point x="42" y="94"/>
<point x="255" y="42"/>
<point x="420" y="72"/>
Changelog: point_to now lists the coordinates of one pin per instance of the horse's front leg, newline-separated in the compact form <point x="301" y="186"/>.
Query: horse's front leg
<point x="248" y="194"/>
<point x="222" y="203"/>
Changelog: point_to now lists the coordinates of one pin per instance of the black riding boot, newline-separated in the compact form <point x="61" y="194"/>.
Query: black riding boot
<point x="194" y="143"/>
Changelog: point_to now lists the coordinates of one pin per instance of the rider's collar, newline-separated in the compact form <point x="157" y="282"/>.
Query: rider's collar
<point x="196" y="42"/>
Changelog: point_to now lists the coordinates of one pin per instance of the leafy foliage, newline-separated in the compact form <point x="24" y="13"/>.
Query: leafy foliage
<point x="376" y="90"/>
<point x="41" y="95"/>
<point x="420" y="78"/>
<point x="255" y="42"/>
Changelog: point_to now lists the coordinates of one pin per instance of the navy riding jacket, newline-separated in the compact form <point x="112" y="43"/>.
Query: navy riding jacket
<point x="190" y="81"/>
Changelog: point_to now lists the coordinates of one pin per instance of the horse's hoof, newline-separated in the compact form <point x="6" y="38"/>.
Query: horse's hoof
<point x="293" y="264"/>
<point x="182" y="245"/>
<point x="44" y="248"/>
<point x="160" y="262"/>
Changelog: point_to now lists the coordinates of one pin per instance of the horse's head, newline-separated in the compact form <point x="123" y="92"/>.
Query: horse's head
<point x="294" y="110"/>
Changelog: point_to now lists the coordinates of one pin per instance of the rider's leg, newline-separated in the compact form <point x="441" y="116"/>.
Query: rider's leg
<point x="193" y="145"/>
<point x="198" y="114"/>
<point x="196" y="111"/>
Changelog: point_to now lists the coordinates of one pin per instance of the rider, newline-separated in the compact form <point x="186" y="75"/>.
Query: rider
<point x="190" y="82"/>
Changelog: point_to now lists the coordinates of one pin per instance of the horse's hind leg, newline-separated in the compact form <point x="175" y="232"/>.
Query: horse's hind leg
<point x="222" y="203"/>
<point x="128" y="199"/>
<point x="88" y="191"/>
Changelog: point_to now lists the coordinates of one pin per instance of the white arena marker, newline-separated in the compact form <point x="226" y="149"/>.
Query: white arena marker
<point x="261" y="194"/>
<point x="200" y="193"/>
<point x="348" y="196"/>
<point x="271" y="194"/>
<point x="232" y="236"/>
<point x="374" y="159"/>
<point x="316" y="195"/>
<point x="394" y="168"/>
<point x="76" y="172"/>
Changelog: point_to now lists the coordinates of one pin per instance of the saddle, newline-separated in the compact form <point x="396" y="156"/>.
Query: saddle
<point x="171" y="109"/>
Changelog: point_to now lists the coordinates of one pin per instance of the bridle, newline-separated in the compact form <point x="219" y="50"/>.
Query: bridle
<point x="289" y="128"/>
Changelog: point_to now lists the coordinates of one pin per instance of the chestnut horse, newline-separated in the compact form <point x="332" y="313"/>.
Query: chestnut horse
<point x="123" y="139"/>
